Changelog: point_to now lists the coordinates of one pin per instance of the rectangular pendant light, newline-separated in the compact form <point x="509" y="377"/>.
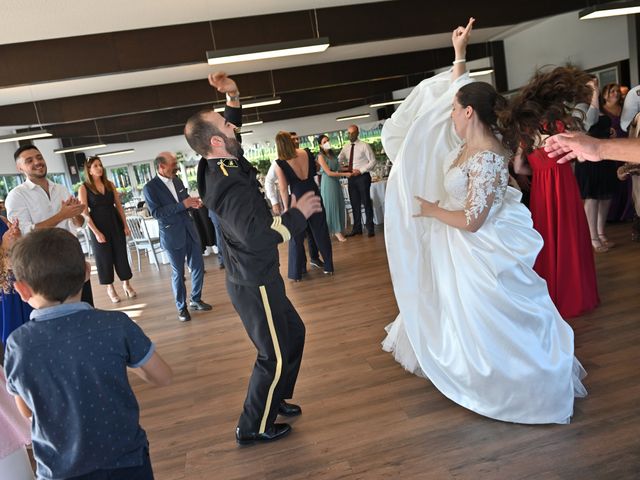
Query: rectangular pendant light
<point x="246" y="132"/>
<point x="255" y="103"/>
<point x="14" y="137"/>
<point x="116" y="152"/>
<point x="384" y="104"/>
<point x="257" y="122"/>
<point x="79" y="148"/>
<point x="478" y="73"/>
<point x="353" y="117"/>
<point x="610" y="10"/>
<point x="269" y="50"/>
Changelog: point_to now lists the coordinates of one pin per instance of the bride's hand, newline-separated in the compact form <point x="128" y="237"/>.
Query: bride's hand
<point x="427" y="208"/>
<point x="460" y="38"/>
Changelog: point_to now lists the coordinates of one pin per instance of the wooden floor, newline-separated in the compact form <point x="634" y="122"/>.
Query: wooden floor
<point x="364" y="417"/>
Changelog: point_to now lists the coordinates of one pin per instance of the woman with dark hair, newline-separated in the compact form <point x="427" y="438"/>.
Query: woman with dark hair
<point x="598" y="182"/>
<point x="108" y="225"/>
<point x="330" y="189"/>
<point x="296" y="171"/>
<point x="545" y="107"/>
<point x="474" y="316"/>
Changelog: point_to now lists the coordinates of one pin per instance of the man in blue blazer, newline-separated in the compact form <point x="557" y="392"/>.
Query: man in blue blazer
<point x="169" y="202"/>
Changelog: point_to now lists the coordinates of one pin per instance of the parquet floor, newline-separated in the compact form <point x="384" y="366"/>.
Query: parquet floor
<point x="364" y="417"/>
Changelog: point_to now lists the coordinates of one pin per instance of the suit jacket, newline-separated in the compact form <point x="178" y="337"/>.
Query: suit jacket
<point x="174" y="220"/>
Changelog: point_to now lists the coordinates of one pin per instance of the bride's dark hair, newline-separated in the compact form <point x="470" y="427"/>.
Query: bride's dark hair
<point x="485" y="101"/>
<point x="545" y="102"/>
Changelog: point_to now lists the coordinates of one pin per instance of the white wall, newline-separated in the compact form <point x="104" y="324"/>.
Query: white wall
<point x="564" y="38"/>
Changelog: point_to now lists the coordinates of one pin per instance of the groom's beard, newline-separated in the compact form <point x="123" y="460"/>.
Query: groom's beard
<point x="233" y="146"/>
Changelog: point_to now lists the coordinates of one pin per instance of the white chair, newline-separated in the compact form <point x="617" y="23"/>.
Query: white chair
<point x="85" y="239"/>
<point x="141" y="240"/>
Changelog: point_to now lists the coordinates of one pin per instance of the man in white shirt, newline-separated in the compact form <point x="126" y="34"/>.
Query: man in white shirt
<point x="40" y="203"/>
<point x="361" y="160"/>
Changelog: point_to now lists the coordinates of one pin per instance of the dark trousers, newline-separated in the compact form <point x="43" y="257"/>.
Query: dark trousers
<point x="193" y="253"/>
<point x="143" y="472"/>
<point x="359" y="193"/>
<point x="111" y="254"/>
<point x="87" y="293"/>
<point x="317" y="223"/>
<point x="277" y="332"/>
<point x="313" y="247"/>
<point x="219" y="240"/>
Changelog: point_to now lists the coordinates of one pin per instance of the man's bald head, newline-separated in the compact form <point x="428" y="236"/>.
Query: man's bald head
<point x="166" y="164"/>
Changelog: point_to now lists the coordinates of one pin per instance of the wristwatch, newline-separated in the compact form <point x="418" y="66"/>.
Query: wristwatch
<point x="234" y="97"/>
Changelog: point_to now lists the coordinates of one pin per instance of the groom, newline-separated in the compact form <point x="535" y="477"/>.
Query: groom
<point x="251" y="235"/>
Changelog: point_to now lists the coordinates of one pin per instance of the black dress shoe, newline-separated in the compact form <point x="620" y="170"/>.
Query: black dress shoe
<point x="199" y="305"/>
<point x="183" y="315"/>
<point x="276" y="432"/>
<point x="316" y="263"/>
<point x="371" y="234"/>
<point x="353" y="233"/>
<point x="289" y="409"/>
<point x="221" y="266"/>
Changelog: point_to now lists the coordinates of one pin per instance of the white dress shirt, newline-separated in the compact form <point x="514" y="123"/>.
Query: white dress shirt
<point x="271" y="185"/>
<point x="363" y="156"/>
<point x="169" y="183"/>
<point x="30" y="204"/>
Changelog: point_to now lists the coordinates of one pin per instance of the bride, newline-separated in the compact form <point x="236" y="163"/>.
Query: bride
<point x="475" y="319"/>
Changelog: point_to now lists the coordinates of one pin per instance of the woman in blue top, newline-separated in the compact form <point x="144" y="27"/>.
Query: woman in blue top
<point x="15" y="312"/>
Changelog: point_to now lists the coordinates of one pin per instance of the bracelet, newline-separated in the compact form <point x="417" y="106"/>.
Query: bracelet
<point x="461" y="60"/>
<point x="233" y="98"/>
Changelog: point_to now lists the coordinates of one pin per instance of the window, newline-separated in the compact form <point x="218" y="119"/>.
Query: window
<point x="60" y="178"/>
<point x="8" y="183"/>
<point x="119" y="176"/>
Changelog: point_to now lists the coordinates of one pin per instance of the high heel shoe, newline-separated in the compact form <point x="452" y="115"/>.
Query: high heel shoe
<point x="598" y="246"/>
<point x="113" y="295"/>
<point x="605" y="241"/>
<point x="129" y="292"/>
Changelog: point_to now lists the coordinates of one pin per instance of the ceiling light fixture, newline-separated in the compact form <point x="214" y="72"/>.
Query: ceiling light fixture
<point x="79" y="148"/>
<point x="269" y="50"/>
<point x="384" y="104"/>
<point x="116" y="152"/>
<point x="353" y="117"/>
<point x="33" y="134"/>
<point x="257" y="122"/>
<point x="246" y="132"/>
<point x="478" y="73"/>
<point x="610" y="10"/>
<point x="255" y="103"/>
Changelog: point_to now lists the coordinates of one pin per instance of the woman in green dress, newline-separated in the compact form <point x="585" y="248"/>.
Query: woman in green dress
<point x="330" y="188"/>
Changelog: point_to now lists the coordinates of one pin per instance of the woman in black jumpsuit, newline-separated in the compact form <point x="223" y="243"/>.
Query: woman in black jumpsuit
<point x="106" y="220"/>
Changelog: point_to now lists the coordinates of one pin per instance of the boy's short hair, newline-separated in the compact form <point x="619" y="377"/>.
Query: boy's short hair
<point x="51" y="262"/>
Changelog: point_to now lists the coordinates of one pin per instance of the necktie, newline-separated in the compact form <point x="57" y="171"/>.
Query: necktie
<point x="351" y="157"/>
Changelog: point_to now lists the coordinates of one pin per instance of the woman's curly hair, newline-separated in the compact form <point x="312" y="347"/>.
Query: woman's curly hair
<point x="544" y="106"/>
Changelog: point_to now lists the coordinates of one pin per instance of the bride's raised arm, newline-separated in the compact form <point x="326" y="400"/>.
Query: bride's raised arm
<point x="460" y="39"/>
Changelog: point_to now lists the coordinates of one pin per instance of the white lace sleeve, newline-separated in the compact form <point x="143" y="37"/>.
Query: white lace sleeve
<point x="488" y="179"/>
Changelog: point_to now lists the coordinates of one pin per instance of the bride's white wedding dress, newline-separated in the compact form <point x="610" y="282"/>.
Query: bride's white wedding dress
<point x="474" y="317"/>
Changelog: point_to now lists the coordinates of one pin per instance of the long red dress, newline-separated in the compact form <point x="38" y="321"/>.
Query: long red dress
<point x="566" y="259"/>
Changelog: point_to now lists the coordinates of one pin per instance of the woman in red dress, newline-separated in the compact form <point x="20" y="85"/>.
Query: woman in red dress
<point x="544" y="107"/>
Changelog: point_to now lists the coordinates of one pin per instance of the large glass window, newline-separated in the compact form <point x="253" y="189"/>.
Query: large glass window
<point x="60" y="178"/>
<point x="119" y="176"/>
<point x="8" y="183"/>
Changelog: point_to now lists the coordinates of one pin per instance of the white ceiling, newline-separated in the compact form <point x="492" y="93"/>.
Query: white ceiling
<point x="28" y="20"/>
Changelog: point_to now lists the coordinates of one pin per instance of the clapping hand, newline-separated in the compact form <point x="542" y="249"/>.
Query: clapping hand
<point x="71" y="207"/>
<point x="12" y="234"/>
<point x="427" y="208"/>
<point x="222" y="83"/>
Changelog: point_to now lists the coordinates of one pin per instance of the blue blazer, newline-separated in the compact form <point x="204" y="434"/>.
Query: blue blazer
<point x="175" y="222"/>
